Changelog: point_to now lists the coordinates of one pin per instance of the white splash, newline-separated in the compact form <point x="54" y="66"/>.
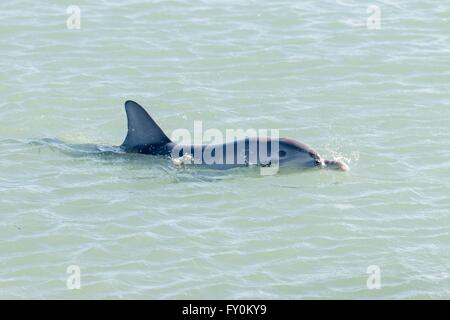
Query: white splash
<point x="186" y="159"/>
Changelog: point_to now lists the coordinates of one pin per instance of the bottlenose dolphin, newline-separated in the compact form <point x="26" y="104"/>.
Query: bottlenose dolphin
<point x="146" y="137"/>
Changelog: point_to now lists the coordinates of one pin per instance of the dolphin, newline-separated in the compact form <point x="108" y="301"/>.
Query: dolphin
<point x="144" y="136"/>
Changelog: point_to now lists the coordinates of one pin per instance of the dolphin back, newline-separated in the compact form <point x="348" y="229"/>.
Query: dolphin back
<point x="144" y="135"/>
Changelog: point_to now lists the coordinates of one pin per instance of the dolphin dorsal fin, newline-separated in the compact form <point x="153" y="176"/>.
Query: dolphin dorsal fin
<point x="142" y="129"/>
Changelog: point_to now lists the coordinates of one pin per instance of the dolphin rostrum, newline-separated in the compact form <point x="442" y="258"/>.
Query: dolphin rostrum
<point x="146" y="137"/>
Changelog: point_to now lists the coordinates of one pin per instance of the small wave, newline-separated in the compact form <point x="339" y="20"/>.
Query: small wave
<point x="77" y="148"/>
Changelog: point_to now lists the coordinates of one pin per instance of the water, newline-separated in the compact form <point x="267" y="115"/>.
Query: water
<point x="141" y="228"/>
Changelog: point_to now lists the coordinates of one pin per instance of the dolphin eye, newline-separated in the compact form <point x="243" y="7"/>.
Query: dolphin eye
<point x="282" y="153"/>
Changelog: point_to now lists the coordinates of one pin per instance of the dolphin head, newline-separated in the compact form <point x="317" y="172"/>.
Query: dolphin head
<point x="293" y="153"/>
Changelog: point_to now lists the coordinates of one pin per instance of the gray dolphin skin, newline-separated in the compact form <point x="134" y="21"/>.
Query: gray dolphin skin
<point x="146" y="137"/>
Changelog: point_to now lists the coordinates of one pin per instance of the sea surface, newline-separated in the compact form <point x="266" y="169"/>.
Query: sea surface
<point x="374" y="95"/>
